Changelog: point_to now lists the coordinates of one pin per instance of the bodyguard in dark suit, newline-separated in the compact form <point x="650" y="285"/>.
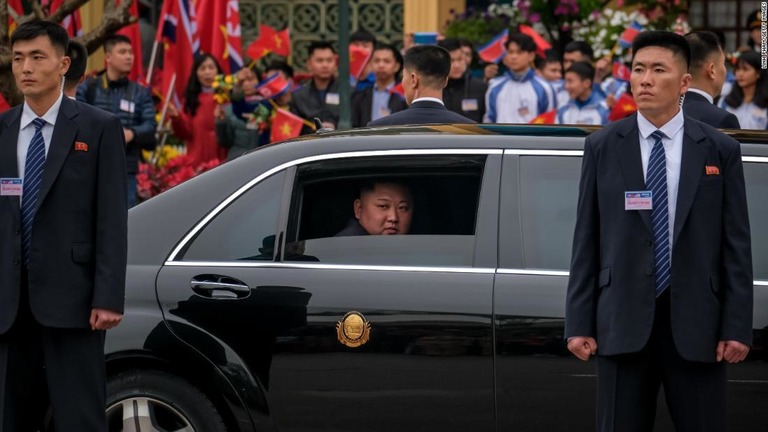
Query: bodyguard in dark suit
<point x="707" y="77"/>
<point x="425" y="73"/>
<point x="660" y="287"/>
<point x="62" y="242"/>
<point x="379" y="100"/>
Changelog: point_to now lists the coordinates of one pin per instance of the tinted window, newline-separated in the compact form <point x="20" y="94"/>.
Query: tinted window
<point x="245" y="230"/>
<point x="549" y="189"/>
<point x="756" y="176"/>
<point x="441" y="193"/>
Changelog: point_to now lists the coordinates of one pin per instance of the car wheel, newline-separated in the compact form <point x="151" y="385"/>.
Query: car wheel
<point x="154" y="401"/>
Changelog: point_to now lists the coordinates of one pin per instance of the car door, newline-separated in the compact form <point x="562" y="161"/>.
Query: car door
<point x="373" y="333"/>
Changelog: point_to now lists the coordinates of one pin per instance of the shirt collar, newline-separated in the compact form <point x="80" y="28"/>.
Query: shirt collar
<point x="428" y="99"/>
<point x="523" y="77"/>
<point x="388" y="88"/>
<point x="703" y="93"/>
<point x="27" y="115"/>
<point x="670" y="129"/>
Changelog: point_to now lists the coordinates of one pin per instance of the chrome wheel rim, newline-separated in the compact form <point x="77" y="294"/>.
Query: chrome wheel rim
<point x="146" y="414"/>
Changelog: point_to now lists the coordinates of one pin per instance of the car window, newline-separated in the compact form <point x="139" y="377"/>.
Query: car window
<point x="245" y="230"/>
<point x="549" y="189"/>
<point x="756" y="176"/>
<point x="338" y="204"/>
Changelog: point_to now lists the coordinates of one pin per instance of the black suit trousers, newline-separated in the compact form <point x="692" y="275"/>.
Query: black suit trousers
<point x="628" y="385"/>
<point x="41" y="365"/>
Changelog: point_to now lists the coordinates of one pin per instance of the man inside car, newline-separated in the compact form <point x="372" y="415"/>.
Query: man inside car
<point x="383" y="208"/>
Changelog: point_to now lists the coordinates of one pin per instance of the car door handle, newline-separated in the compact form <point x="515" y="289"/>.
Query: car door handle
<point x="219" y="287"/>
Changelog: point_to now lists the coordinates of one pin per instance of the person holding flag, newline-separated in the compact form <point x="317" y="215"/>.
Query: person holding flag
<point x="238" y="128"/>
<point x="320" y="98"/>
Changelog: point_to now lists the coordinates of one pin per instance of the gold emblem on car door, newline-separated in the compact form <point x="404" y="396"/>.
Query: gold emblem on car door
<point x="353" y="330"/>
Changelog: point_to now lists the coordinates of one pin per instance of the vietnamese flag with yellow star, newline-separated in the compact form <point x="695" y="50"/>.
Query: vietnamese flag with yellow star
<point x="285" y="125"/>
<point x="270" y="40"/>
<point x="546" y="118"/>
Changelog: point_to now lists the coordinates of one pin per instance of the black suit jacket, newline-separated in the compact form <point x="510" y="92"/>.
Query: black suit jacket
<point x="698" y="107"/>
<point x="611" y="292"/>
<point x="362" y="104"/>
<point x="78" y="251"/>
<point x="422" y="112"/>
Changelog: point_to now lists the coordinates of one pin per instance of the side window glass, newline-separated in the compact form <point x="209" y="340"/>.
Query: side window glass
<point x="245" y="230"/>
<point x="404" y="211"/>
<point x="549" y="189"/>
<point x="756" y="177"/>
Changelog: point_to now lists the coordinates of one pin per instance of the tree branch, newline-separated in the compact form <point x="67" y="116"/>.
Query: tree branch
<point x="65" y="9"/>
<point x="111" y="22"/>
<point x="3" y="22"/>
<point x="37" y="10"/>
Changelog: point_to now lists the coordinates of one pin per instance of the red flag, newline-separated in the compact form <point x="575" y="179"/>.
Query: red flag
<point x="358" y="59"/>
<point x="270" y="40"/>
<point x="285" y="125"/>
<point x="494" y="50"/>
<point x="623" y="107"/>
<point x="133" y="33"/>
<point x="15" y="10"/>
<point x="220" y="32"/>
<point x="398" y="90"/>
<point x="546" y="118"/>
<point x="621" y="71"/>
<point x="71" y="22"/>
<point x="541" y="44"/>
<point x="274" y="86"/>
<point x="628" y="36"/>
<point x="4" y="106"/>
<point x="177" y="31"/>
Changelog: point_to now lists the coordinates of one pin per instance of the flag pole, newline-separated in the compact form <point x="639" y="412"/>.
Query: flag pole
<point x="152" y="59"/>
<point x="162" y="132"/>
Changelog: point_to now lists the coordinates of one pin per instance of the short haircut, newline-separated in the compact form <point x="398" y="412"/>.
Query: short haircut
<point x="36" y="28"/>
<point x="465" y="43"/>
<point x="319" y="45"/>
<point x="281" y="66"/>
<point x="524" y="41"/>
<point x="583" y="69"/>
<point x="663" y="39"/>
<point x="362" y="36"/>
<point x="431" y="62"/>
<point x="113" y="40"/>
<point x="550" y="56"/>
<point x="369" y="185"/>
<point x="584" y="48"/>
<point x="450" y="44"/>
<point x="391" y="48"/>
<point x="78" y="55"/>
<point x="704" y="46"/>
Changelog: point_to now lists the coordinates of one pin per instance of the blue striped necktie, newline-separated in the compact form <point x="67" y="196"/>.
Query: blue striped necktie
<point x="33" y="176"/>
<point x="656" y="181"/>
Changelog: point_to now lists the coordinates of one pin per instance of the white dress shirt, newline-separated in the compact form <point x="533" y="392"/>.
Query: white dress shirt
<point x="428" y="99"/>
<point x="27" y="131"/>
<point x="673" y="152"/>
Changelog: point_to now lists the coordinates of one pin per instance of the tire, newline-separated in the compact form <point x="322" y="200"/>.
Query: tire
<point x="149" y="400"/>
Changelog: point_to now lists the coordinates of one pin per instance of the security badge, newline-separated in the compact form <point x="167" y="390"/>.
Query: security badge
<point x="11" y="186"/>
<point x="353" y="330"/>
<point x="638" y="200"/>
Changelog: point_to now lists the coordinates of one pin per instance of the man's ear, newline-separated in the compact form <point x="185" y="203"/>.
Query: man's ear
<point x="65" y="63"/>
<point x="358" y="207"/>
<point x="711" y="70"/>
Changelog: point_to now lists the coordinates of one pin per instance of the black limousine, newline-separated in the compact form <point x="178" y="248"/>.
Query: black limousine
<point x="246" y="312"/>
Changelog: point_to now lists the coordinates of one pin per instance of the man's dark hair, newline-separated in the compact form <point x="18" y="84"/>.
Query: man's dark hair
<point x="550" y="56"/>
<point x="36" y="28"/>
<point x="583" y="69"/>
<point x="450" y="44"/>
<point x="282" y="66"/>
<point x="78" y="54"/>
<point x="113" y="40"/>
<point x="369" y="185"/>
<point x="524" y="41"/>
<point x="395" y="53"/>
<point x="663" y="39"/>
<point x="319" y="45"/>
<point x="431" y="62"/>
<point x="584" y="48"/>
<point x="362" y="36"/>
<point x="704" y="46"/>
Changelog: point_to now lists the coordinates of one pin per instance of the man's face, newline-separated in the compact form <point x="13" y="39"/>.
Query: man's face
<point x="552" y="71"/>
<point x="386" y="210"/>
<point x="38" y="67"/>
<point x="576" y="87"/>
<point x="322" y="64"/>
<point x="247" y="80"/>
<point x="658" y="79"/>
<point x="367" y="45"/>
<point x="467" y="51"/>
<point x="384" y="65"/>
<point x="120" y="58"/>
<point x="516" y="59"/>
<point x="572" y="57"/>
<point x="458" y="64"/>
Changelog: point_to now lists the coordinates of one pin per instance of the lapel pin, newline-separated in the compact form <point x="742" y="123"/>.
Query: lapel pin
<point x="81" y="146"/>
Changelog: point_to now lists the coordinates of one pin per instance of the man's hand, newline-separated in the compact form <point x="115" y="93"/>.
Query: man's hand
<point x="128" y="135"/>
<point x="582" y="347"/>
<point x="219" y="114"/>
<point x="104" y="319"/>
<point x="490" y="71"/>
<point x="731" y="351"/>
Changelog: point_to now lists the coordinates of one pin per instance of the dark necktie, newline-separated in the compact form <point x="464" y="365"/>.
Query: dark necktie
<point x="656" y="181"/>
<point x="33" y="176"/>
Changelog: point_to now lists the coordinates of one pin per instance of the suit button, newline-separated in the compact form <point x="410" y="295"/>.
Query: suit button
<point x="648" y="271"/>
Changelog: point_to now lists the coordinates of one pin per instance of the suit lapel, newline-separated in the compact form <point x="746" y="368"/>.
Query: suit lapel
<point x="630" y="160"/>
<point x="62" y="140"/>
<point x="9" y="152"/>
<point x="692" y="164"/>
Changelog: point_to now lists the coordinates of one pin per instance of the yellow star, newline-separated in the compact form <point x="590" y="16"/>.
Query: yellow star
<point x="278" y="41"/>
<point x="285" y="130"/>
